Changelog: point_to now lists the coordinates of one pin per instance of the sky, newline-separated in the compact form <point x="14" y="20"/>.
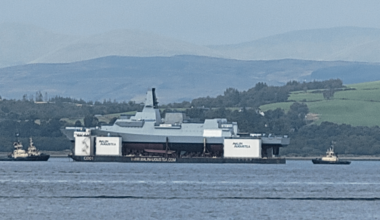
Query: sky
<point x="202" y="22"/>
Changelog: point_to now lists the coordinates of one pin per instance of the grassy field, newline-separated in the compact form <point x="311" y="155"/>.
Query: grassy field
<point x="359" y="107"/>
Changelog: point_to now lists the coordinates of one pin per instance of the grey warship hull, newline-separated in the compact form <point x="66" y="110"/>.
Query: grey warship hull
<point x="146" y="136"/>
<point x="176" y="160"/>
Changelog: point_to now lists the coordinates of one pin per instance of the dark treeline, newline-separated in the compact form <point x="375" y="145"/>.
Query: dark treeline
<point x="46" y="134"/>
<point x="254" y="121"/>
<point x="60" y="108"/>
<point x="42" y="119"/>
<point x="259" y="95"/>
<point x="347" y="139"/>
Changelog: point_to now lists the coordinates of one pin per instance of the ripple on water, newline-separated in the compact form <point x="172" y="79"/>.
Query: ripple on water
<point x="154" y="191"/>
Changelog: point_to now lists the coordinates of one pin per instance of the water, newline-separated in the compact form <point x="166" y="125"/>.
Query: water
<point x="60" y="189"/>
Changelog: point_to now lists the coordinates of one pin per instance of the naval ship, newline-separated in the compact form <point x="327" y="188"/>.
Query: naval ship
<point x="146" y="137"/>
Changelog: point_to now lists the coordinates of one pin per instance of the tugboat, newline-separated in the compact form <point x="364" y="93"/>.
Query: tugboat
<point x="19" y="154"/>
<point x="330" y="158"/>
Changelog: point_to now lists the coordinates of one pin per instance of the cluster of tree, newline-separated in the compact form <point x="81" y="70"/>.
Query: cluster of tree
<point x="25" y="109"/>
<point x="260" y="94"/>
<point x="251" y="121"/>
<point x="328" y="93"/>
<point x="46" y="134"/>
<point x="304" y="86"/>
<point x="347" y="139"/>
<point x="43" y="121"/>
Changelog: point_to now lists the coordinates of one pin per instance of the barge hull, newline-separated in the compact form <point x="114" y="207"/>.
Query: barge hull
<point x="176" y="160"/>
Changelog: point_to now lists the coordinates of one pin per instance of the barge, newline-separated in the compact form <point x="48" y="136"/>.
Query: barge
<point x="146" y="137"/>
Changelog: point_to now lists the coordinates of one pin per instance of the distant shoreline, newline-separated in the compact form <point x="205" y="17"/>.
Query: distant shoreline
<point x="355" y="158"/>
<point x="63" y="154"/>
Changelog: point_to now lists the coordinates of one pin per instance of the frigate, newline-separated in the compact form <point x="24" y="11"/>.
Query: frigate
<point x="146" y="137"/>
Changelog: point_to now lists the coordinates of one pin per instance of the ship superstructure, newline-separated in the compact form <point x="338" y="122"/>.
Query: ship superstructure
<point x="146" y="134"/>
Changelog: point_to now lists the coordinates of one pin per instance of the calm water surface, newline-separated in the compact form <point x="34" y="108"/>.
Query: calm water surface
<point x="61" y="189"/>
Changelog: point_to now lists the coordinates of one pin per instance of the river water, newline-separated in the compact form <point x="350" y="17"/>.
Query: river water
<point x="62" y="189"/>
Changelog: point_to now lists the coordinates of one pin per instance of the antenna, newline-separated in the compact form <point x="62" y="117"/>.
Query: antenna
<point x="155" y="103"/>
<point x="17" y="135"/>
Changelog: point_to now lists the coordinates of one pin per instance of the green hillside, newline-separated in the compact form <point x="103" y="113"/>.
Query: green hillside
<point x="358" y="107"/>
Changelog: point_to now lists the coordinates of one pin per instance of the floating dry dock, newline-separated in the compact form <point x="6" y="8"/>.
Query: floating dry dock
<point x="146" y="137"/>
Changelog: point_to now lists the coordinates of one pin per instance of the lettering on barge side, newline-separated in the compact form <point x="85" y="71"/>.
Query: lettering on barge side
<point x="240" y="145"/>
<point x="88" y="158"/>
<point x="157" y="159"/>
<point x="106" y="143"/>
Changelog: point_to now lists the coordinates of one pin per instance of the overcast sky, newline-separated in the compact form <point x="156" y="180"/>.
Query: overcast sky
<point x="196" y="21"/>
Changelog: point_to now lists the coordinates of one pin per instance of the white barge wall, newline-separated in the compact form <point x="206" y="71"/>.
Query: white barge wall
<point x="108" y="146"/>
<point x="84" y="145"/>
<point x="242" y="148"/>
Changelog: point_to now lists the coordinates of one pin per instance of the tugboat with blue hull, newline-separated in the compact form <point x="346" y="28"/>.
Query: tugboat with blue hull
<point x="19" y="154"/>
<point x="330" y="158"/>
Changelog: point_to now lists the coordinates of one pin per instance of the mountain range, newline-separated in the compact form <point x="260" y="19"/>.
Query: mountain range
<point x="176" y="78"/>
<point x="331" y="44"/>
<point x="25" y="44"/>
<point x="123" y="64"/>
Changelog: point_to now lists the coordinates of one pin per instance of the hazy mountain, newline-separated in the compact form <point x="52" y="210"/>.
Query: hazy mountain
<point x="176" y="78"/>
<point x="20" y="44"/>
<point x="342" y="43"/>
<point x="123" y="43"/>
<point x="351" y="73"/>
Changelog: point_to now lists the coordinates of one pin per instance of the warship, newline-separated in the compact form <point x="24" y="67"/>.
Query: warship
<point x="146" y="137"/>
<point x="19" y="154"/>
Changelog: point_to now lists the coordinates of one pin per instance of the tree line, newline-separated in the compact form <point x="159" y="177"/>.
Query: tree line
<point x="260" y="94"/>
<point x="43" y="120"/>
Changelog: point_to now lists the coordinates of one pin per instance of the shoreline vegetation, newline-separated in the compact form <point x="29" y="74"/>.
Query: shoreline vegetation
<point x="64" y="153"/>
<point x="353" y="158"/>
